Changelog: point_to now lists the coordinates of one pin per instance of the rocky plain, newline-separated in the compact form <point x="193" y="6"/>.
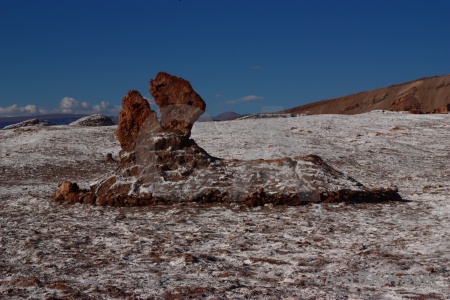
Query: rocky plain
<point x="225" y="249"/>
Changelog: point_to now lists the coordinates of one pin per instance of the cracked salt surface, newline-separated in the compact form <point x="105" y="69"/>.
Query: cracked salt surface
<point x="60" y="250"/>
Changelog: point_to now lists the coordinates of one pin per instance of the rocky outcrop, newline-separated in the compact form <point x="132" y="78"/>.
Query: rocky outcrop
<point x="135" y="110"/>
<point x="160" y="164"/>
<point x="28" y="123"/>
<point x="67" y="191"/>
<point x="179" y="104"/>
<point x="94" y="120"/>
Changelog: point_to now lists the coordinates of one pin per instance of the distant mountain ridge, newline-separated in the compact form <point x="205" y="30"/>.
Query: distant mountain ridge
<point x="424" y="95"/>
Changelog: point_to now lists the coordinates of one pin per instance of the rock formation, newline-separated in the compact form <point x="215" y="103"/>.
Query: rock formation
<point x="135" y="110"/>
<point x="179" y="104"/>
<point x="27" y="123"/>
<point x="160" y="164"/>
<point x="94" y="120"/>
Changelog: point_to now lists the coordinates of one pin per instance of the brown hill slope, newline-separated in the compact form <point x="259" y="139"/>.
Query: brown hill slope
<point x="427" y="95"/>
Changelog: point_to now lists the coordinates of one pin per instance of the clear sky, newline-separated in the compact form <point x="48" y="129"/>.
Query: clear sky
<point x="243" y="56"/>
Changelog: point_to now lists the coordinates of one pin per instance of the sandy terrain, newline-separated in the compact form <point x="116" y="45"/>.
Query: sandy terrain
<point x="53" y="251"/>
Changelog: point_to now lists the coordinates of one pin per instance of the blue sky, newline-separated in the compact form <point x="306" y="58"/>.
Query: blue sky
<point x="244" y="56"/>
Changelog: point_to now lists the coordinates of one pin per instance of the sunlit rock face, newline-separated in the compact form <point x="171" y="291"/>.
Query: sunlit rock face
<point x="135" y="110"/>
<point x="179" y="104"/>
<point x="161" y="164"/>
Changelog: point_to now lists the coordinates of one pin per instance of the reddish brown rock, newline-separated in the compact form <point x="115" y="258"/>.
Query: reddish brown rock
<point x="179" y="104"/>
<point x="442" y="110"/>
<point x="73" y="198"/>
<point x="415" y="111"/>
<point x="65" y="189"/>
<point x="101" y="201"/>
<point x="89" y="199"/>
<point x="135" y="111"/>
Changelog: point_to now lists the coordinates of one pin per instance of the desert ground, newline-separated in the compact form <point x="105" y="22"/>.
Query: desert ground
<point x="60" y="251"/>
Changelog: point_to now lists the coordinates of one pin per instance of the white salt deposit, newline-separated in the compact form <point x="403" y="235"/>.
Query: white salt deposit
<point x="58" y="250"/>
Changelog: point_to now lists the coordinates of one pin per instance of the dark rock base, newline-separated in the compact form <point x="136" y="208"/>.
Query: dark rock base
<point x="70" y="193"/>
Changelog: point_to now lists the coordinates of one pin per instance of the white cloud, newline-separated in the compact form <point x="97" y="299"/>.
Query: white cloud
<point x="101" y="106"/>
<point x="106" y="108"/>
<point x="30" y="108"/>
<point x="9" y="109"/>
<point x="248" y="98"/>
<point x="66" y="105"/>
<point x="71" y="105"/>
<point x="15" y="110"/>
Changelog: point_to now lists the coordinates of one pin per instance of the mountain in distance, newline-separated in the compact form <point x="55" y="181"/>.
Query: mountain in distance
<point x="424" y="95"/>
<point x="229" y="115"/>
<point x="58" y="119"/>
<point x="225" y="116"/>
